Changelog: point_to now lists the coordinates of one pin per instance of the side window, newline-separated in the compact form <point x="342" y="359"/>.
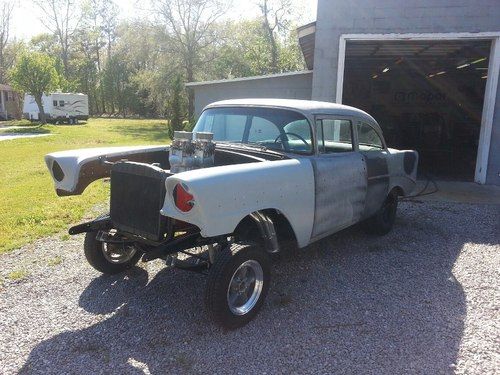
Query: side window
<point x="262" y="130"/>
<point x="334" y="136"/>
<point x="61" y="103"/>
<point x="54" y="103"/>
<point x="368" y="138"/>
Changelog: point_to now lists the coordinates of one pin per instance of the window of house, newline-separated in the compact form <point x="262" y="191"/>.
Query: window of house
<point x="61" y="103"/>
<point x="54" y="103"/>
<point x="5" y="96"/>
<point x="368" y="138"/>
<point x="334" y="135"/>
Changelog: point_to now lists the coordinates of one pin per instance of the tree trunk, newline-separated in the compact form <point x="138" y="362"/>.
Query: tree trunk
<point x="271" y="38"/>
<point x="190" y="92"/>
<point x="41" y="112"/>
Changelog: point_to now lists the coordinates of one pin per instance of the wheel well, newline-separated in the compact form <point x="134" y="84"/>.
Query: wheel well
<point x="248" y="229"/>
<point x="398" y="190"/>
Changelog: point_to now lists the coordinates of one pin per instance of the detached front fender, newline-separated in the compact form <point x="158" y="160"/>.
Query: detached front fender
<point x="223" y="196"/>
<point x="73" y="170"/>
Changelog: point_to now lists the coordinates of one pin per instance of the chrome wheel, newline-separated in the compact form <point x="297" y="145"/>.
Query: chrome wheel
<point x="118" y="254"/>
<point x="245" y="287"/>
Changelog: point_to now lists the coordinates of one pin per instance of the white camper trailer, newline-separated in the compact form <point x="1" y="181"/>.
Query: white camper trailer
<point x="58" y="107"/>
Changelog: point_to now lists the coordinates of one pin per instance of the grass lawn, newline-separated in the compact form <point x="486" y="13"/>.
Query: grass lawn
<point x="29" y="206"/>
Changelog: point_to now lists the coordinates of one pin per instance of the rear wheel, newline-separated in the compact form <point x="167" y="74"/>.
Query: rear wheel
<point x="109" y="258"/>
<point x="237" y="284"/>
<point x="382" y="222"/>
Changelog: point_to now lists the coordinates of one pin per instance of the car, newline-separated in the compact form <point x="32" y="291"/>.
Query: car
<point x="254" y="178"/>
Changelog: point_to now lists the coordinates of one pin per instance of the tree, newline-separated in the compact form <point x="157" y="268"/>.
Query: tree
<point x="175" y="110"/>
<point x="62" y="18"/>
<point x="35" y="74"/>
<point x="6" y="9"/>
<point x="192" y="24"/>
<point x="275" y="15"/>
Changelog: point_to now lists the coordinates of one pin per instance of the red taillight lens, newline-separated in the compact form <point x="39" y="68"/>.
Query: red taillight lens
<point x="183" y="200"/>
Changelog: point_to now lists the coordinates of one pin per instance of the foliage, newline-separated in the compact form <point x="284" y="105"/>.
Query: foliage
<point x="29" y="207"/>
<point x="139" y="67"/>
<point x="175" y="110"/>
<point x="35" y="74"/>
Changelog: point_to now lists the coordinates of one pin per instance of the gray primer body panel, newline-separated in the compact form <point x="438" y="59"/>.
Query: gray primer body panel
<point x="340" y="190"/>
<point x="378" y="181"/>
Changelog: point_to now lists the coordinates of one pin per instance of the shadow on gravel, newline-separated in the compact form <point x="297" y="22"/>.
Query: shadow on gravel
<point x="350" y="304"/>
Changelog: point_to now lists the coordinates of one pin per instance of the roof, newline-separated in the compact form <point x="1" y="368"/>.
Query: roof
<point x="4" y="87"/>
<point x="252" y="78"/>
<point x="307" y="40"/>
<point x="306" y="107"/>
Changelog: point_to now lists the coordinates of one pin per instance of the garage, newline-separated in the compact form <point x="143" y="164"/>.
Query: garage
<point x="427" y="95"/>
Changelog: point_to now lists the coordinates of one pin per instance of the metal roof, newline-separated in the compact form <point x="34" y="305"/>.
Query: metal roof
<point x="252" y="78"/>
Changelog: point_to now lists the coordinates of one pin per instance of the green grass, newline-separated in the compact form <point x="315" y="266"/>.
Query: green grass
<point x="17" y="275"/>
<point x="29" y="206"/>
<point x="54" y="261"/>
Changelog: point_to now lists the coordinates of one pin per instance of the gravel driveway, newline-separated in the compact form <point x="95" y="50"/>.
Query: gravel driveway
<point x="423" y="299"/>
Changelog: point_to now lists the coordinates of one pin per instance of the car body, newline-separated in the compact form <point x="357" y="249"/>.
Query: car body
<point x="282" y="171"/>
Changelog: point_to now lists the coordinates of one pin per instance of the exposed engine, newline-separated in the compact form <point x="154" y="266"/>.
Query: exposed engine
<point x="191" y="151"/>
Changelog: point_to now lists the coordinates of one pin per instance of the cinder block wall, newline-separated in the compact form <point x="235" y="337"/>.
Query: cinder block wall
<point x="399" y="16"/>
<point x="293" y="86"/>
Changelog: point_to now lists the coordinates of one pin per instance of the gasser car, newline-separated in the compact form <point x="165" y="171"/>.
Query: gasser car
<point x="255" y="177"/>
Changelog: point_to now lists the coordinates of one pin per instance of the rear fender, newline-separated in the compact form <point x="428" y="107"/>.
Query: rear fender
<point x="73" y="170"/>
<point x="224" y="195"/>
<point x="403" y="170"/>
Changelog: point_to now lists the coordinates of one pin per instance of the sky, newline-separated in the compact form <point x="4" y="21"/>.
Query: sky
<point x="26" y="24"/>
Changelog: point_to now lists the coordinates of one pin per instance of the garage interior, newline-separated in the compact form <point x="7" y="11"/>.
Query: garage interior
<point x="426" y="95"/>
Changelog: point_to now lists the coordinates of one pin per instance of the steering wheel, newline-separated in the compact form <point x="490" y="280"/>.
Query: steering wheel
<point x="294" y="134"/>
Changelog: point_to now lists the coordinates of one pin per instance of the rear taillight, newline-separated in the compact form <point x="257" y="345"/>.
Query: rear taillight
<point x="183" y="200"/>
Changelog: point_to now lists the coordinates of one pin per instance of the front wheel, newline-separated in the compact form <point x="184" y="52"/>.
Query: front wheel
<point x="237" y="284"/>
<point x="109" y="258"/>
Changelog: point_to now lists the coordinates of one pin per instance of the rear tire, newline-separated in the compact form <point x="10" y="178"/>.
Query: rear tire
<point x="237" y="284"/>
<point x="382" y="222"/>
<point x="98" y="255"/>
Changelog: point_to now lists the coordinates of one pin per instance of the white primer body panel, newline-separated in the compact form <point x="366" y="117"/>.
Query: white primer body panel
<point x="225" y="195"/>
<point x="71" y="161"/>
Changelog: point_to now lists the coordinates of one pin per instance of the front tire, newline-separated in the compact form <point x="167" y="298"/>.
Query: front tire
<point x="237" y="284"/>
<point x="109" y="259"/>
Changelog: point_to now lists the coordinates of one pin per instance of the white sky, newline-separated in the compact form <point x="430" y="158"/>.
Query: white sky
<point x="26" y="24"/>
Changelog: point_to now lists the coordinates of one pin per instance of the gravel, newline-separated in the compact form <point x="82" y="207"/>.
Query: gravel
<point x="423" y="299"/>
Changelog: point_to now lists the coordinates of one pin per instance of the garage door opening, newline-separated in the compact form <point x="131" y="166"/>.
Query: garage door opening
<point x="426" y="95"/>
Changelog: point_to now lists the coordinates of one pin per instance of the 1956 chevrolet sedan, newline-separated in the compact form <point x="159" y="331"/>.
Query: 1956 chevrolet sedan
<point x="254" y="177"/>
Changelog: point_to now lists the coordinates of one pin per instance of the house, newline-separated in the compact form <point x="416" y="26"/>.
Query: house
<point x="10" y="103"/>
<point x="427" y="70"/>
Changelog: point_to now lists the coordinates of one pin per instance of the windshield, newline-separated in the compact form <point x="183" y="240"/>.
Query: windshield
<point x="275" y="129"/>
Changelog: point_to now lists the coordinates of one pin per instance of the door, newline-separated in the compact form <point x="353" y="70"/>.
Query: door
<point x="340" y="177"/>
<point x="372" y="147"/>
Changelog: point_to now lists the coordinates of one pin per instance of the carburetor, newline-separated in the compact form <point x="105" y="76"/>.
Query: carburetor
<point x="204" y="149"/>
<point x="187" y="153"/>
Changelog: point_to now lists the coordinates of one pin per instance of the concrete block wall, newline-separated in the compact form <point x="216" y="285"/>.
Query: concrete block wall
<point x="399" y="16"/>
<point x="287" y="86"/>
